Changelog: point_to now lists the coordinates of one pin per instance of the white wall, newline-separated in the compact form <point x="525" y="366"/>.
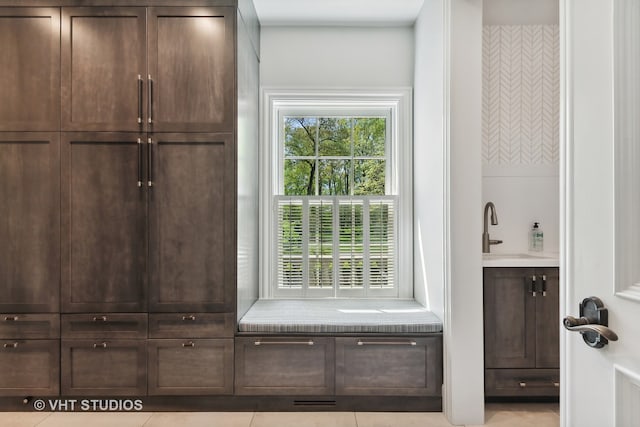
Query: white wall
<point x="520" y="12"/>
<point x="336" y="56"/>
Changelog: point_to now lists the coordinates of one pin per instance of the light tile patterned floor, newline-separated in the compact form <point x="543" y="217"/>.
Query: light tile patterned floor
<point x="498" y="415"/>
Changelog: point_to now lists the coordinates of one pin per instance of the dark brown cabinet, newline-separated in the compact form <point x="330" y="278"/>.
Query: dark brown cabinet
<point x="389" y="366"/>
<point x="30" y="367"/>
<point x="30" y="69"/>
<point x="148" y="69"/>
<point x="521" y="323"/>
<point x="29" y="222"/>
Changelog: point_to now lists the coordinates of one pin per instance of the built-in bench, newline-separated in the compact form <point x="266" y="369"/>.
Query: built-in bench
<point x="336" y="349"/>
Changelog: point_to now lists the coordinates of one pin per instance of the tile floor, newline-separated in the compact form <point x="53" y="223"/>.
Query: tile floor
<point x="499" y="415"/>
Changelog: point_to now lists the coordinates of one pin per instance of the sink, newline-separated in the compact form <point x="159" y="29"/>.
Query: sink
<point x="520" y="260"/>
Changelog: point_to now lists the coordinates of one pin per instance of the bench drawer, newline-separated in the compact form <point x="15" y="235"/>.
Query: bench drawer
<point x="389" y="366"/>
<point x="30" y="367"/>
<point x="192" y="325"/>
<point x="29" y="326"/>
<point x="104" y="325"/>
<point x="284" y="366"/>
<point x="190" y="367"/>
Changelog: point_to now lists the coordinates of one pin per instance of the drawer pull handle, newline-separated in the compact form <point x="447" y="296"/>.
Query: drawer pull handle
<point x="11" y="319"/>
<point x="100" y="319"/>
<point x="309" y="342"/>
<point x="522" y="384"/>
<point x="189" y="344"/>
<point x="556" y="384"/>
<point x="190" y="317"/>
<point x="101" y="345"/>
<point x="12" y="345"/>
<point x="411" y="343"/>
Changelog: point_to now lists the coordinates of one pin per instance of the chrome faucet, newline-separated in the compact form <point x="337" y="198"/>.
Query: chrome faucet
<point x="486" y="241"/>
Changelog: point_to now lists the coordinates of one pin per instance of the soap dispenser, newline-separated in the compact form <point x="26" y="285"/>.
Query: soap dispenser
<point x="536" y="238"/>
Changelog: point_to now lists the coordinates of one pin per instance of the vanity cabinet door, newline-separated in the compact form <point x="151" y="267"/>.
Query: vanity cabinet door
<point x="389" y="366"/>
<point x="285" y="366"/>
<point x="548" y="320"/>
<point x="509" y="318"/>
<point x="30" y="367"/>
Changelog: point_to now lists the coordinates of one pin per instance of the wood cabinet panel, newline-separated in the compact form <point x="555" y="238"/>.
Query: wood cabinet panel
<point x="104" y="249"/>
<point x="190" y="367"/>
<point x="30" y="69"/>
<point x="389" y="366"/>
<point x="192" y="223"/>
<point x="104" y="367"/>
<point x="191" y="325"/>
<point x="29" y="326"/>
<point x="548" y="321"/>
<point x="509" y="318"/>
<point x="285" y="366"/>
<point x="522" y="382"/>
<point x="103" y="53"/>
<point x="104" y="325"/>
<point x="30" y="367"/>
<point x="191" y="62"/>
<point x="29" y="222"/>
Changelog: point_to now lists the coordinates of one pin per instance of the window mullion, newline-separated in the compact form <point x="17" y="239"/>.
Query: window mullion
<point x="305" y="246"/>
<point x="365" y="245"/>
<point x="336" y="246"/>
<point x="317" y="153"/>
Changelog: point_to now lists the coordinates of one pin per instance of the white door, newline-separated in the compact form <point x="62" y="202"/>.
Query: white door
<point x="600" y="76"/>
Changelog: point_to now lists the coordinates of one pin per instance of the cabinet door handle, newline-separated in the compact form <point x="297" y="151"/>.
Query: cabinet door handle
<point x="408" y="342"/>
<point x="99" y="319"/>
<point x="140" y="178"/>
<point x="11" y="318"/>
<point x="532" y="288"/>
<point x="11" y="345"/>
<point x="189" y="344"/>
<point x="150" y="90"/>
<point x="150" y="162"/>
<point x="544" y="285"/>
<point x="190" y="317"/>
<point x="101" y="345"/>
<point x="309" y="342"/>
<point x="140" y="83"/>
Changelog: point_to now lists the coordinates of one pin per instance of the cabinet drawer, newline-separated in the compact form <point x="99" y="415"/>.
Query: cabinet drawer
<point x="104" y="368"/>
<point x="522" y="382"/>
<point x="190" y="367"/>
<point x="284" y="366"/>
<point x="104" y="325"/>
<point x="192" y="325"/>
<point x="29" y="326"/>
<point x="30" y="367"/>
<point x="389" y="366"/>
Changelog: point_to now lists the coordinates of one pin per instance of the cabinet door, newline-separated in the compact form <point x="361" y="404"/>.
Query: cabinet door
<point x="548" y="320"/>
<point x="103" y="52"/>
<point x="192" y="223"/>
<point x="104" y="248"/>
<point x="30" y="69"/>
<point x="285" y="366"/>
<point x="30" y="367"/>
<point x="104" y="367"/>
<point x="190" y="367"/>
<point x="509" y="318"/>
<point x="191" y="63"/>
<point x="389" y="366"/>
<point x="29" y="222"/>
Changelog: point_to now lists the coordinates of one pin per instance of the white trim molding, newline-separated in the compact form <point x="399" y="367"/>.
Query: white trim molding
<point x="275" y="100"/>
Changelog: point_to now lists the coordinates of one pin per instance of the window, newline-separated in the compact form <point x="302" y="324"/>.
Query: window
<point x="337" y="195"/>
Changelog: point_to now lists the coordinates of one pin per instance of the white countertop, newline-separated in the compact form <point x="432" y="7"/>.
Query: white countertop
<point x="524" y="259"/>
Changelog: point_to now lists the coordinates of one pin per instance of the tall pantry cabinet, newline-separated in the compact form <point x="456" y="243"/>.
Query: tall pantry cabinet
<point x="118" y="198"/>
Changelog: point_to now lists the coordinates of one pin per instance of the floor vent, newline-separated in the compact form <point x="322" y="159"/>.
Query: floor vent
<point x="314" y="403"/>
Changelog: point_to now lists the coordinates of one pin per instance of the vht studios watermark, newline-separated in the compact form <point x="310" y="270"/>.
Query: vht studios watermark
<point x="88" y="405"/>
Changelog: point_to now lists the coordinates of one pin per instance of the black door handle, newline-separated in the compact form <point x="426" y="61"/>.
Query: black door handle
<point x="592" y="324"/>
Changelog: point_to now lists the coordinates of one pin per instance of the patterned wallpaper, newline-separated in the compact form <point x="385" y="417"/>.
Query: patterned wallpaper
<point x="520" y="94"/>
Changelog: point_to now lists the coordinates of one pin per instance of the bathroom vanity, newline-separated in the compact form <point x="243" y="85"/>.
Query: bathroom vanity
<point x="521" y="325"/>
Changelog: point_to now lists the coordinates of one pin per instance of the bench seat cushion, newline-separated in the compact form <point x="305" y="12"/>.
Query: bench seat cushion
<point x="339" y="316"/>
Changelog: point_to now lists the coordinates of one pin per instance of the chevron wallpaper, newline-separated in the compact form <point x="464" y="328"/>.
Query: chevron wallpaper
<point x="520" y="94"/>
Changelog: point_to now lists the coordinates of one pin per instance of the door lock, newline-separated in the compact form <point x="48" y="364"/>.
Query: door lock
<point x="592" y="324"/>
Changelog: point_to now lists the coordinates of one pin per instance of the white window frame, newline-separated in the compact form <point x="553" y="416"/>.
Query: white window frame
<point x="396" y="103"/>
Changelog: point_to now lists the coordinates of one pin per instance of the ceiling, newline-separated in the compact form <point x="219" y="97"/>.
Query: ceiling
<point x="337" y="12"/>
